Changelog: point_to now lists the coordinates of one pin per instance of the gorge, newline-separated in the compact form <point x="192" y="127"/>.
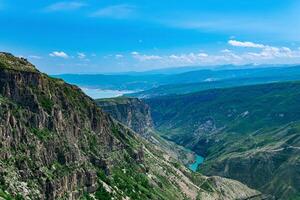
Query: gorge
<point x="57" y="143"/>
<point x="241" y="131"/>
<point x="248" y="133"/>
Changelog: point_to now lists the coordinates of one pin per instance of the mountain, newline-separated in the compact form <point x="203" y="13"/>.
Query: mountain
<point x="146" y="81"/>
<point x="249" y="133"/>
<point x="56" y="143"/>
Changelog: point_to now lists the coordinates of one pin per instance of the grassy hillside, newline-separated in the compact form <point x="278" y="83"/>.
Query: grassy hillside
<point x="248" y="133"/>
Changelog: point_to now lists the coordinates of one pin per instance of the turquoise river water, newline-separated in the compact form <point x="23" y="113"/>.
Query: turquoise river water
<point x="198" y="161"/>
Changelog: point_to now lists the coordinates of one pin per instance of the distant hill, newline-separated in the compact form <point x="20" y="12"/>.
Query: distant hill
<point x="146" y="81"/>
<point x="184" y="69"/>
<point x="249" y="133"/>
<point x="178" y="89"/>
<point x="226" y="80"/>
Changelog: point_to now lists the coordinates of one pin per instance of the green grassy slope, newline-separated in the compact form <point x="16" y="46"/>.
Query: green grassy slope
<point x="248" y="133"/>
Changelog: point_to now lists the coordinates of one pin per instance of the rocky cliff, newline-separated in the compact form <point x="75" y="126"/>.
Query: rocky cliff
<point x="132" y="112"/>
<point x="56" y="143"/>
<point x="136" y="114"/>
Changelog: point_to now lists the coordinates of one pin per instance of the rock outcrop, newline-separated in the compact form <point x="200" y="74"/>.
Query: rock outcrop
<point x="132" y="112"/>
<point x="136" y="114"/>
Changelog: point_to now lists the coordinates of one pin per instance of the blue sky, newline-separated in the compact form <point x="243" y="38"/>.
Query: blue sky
<point x="95" y="36"/>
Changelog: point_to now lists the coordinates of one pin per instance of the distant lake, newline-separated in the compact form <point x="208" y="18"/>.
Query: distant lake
<point x="100" y="93"/>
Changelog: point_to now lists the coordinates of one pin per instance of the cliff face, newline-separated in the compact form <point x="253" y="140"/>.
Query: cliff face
<point x="50" y="132"/>
<point x="132" y="112"/>
<point x="56" y="143"/>
<point x="135" y="114"/>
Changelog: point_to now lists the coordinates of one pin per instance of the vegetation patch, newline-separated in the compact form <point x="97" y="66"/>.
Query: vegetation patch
<point x="42" y="134"/>
<point x="46" y="103"/>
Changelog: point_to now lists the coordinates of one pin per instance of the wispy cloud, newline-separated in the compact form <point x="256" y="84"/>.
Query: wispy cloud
<point x="226" y="51"/>
<point x="262" y="54"/>
<point x="225" y="23"/>
<point x="65" y="6"/>
<point x="267" y="51"/>
<point x="120" y="11"/>
<point x="35" y="57"/>
<point x="81" y="55"/>
<point x="59" y="54"/>
<point x="144" y="57"/>
<point x="119" y="56"/>
<point x="245" y="44"/>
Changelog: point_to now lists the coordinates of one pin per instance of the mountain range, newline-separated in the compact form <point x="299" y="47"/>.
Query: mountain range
<point x="207" y="77"/>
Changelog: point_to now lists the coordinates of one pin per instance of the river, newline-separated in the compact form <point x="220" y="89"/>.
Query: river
<point x="198" y="161"/>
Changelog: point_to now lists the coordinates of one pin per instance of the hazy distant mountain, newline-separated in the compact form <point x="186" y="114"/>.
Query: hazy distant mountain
<point x="179" y="70"/>
<point x="177" y="89"/>
<point x="148" y="81"/>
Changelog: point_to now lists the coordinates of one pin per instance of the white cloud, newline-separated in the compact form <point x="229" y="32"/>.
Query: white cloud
<point x="245" y="44"/>
<point x="173" y="59"/>
<point x="269" y="53"/>
<point x="134" y="53"/>
<point x="35" y="57"/>
<point x="65" y="6"/>
<point x="116" y="11"/>
<point x="187" y="59"/>
<point x="226" y="51"/>
<point x="81" y="55"/>
<point x="144" y="57"/>
<point x="60" y="54"/>
<point x="203" y="55"/>
<point x="258" y="54"/>
<point x="265" y="55"/>
<point x="149" y="57"/>
<point x="119" y="56"/>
